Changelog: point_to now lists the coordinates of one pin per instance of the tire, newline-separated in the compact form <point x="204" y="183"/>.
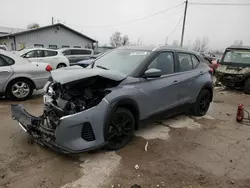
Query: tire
<point x="120" y="129"/>
<point x="20" y="89"/>
<point x="61" y="65"/>
<point x="201" y="106"/>
<point x="247" y="86"/>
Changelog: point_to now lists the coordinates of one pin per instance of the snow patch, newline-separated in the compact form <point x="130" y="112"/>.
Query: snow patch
<point x="154" y="131"/>
<point x="181" y="122"/>
<point x="96" y="169"/>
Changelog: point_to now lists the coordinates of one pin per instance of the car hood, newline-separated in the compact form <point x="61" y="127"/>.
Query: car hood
<point x="73" y="73"/>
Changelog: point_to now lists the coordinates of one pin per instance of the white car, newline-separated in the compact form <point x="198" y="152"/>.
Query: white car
<point x="75" y="55"/>
<point x="43" y="55"/>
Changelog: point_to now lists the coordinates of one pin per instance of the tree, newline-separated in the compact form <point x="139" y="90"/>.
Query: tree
<point x="238" y="43"/>
<point x="33" y="26"/>
<point x="201" y="45"/>
<point x="117" y="39"/>
<point x="176" y="43"/>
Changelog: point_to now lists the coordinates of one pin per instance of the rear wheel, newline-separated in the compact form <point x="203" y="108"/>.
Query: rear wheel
<point x="201" y="106"/>
<point x="120" y="129"/>
<point x="61" y="65"/>
<point x="20" y="89"/>
<point x="247" y="86"/>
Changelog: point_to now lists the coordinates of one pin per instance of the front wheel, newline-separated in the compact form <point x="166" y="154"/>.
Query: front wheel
<point x="121" y="127"/>
<point x="201" y="106"/>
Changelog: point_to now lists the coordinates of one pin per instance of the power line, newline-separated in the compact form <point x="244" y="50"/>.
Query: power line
<point x="220" y="4"/>
<point x="175" y="27"/>
<point x="135" y="20"/>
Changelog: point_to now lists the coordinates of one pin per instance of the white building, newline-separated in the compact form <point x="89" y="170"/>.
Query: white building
<point x="52" y="36"/>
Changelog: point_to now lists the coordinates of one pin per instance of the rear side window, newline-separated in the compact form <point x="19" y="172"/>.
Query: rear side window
<point x="48" y="53"/>
<point x="2" y="62"/>
<point x="34" y="54"/>
<point x="8" y="60"/>
<point x="65" y="46"/>
<point x="195" y="61"/>
<point x="185" y="62"/>
<point x="81" y="52"/>
<point x="39" y="45"/>
<point x="77" y="46"/>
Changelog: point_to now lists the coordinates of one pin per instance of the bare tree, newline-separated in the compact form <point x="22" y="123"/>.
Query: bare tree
<point x="201" y="45"/>
<point x="176" y="43"/>
<point x="33" y="26"/>
<point x="238" y="43"/>
<point x="117" y="39"/>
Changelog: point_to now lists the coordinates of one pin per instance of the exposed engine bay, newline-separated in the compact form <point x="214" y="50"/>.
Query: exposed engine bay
<point x="74" y="97"/>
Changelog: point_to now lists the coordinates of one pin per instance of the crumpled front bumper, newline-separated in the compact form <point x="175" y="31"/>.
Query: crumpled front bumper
<point x="230" y="79"/>
<point x="75" y="133"/>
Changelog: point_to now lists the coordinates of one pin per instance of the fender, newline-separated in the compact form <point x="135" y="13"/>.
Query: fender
<point x="122" y="102"/>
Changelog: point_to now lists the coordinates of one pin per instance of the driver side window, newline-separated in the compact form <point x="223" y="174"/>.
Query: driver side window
<point x="164" y="62"/>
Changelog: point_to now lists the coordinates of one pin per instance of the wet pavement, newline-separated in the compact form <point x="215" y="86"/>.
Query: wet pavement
<point x="212" y="151"/>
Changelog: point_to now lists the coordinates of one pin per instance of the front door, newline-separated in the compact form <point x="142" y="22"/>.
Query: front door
<point x="5" y="72"/>
<point x="160" y="94"/>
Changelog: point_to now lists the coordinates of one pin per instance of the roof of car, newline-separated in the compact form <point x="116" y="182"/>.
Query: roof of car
<point x="157" y="48"/>
<point x="239" y="47"/>
<point x="63" y="49"/>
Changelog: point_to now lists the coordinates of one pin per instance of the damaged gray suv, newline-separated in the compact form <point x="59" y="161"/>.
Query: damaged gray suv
<point x="102" y="105"/>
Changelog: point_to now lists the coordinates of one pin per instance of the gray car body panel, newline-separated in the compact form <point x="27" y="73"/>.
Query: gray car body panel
<point x="23" y="68"/>
<point x="74" y="73"/>
<point x="150" y="95"/>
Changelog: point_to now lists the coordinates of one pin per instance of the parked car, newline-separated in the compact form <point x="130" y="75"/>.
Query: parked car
<point x="212" y="63"/>
<point x="87" y="62"/>
<point x="3" y="47"/>
<point x="75" y="55"/>
<point x="43" y="55"/>
<point x="101" y="105"/>
<point x="234" y="69"/>
<point x="19" y="77"/>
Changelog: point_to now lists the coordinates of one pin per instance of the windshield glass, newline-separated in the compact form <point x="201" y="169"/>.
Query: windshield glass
<point x="237" y="56"/>
<point x="122" y="60"/>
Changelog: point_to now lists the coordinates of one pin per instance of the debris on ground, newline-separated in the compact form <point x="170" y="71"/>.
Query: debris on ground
<point x="248" y="138"/>
<point x="136" y="186"/>
<point x="146" y="147"/>
<point x="136" y="167"/>
<point x="228" y="114"/>
<point x="231" y="161"/>
<point x="218" y="101"/>
<point x="2" y="176"/>
<point x="162" y="184"/>
<point x="232" y="182"/>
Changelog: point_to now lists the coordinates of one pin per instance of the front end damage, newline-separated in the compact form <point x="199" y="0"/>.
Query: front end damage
<point x="232" y="76"/>
<point x="74" y="115"/>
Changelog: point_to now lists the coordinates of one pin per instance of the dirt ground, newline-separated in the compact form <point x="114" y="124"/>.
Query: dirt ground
<point x="208" y="152"/>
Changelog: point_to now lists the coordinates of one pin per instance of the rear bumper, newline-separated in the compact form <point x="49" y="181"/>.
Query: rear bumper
<point x="74" y="134"/>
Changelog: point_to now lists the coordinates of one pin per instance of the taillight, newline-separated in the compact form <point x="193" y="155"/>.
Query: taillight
<point x="211" y="70"/>
<point x="48" y="68"/>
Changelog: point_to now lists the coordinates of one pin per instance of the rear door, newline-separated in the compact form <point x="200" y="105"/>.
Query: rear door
<point x="160" y="93"/>
<point x="67" y="53"/>
<point x="80" y="54"/>
<point x="50" y="57"/>
<point x="189" y="76"/>
<point x="5" y="70"/>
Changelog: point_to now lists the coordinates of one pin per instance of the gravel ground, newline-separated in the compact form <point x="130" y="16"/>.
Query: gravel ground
<point x="207" y="152"/>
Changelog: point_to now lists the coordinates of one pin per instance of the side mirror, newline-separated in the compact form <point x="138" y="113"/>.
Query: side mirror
<point x="152" y="73"/>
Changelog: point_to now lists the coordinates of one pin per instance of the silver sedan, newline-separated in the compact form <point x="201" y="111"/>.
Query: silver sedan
<point x="19" y="77"/>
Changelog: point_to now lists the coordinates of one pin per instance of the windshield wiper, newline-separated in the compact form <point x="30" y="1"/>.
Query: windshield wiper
<point x="99" y="66"/>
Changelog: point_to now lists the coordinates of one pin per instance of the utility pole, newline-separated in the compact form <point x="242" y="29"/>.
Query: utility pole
<point x="52" y="20"/>
<point x="184" y="22"/>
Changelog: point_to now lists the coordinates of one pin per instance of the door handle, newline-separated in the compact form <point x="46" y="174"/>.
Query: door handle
<point x="5" y="71"/>
<point x="175" y="82"/>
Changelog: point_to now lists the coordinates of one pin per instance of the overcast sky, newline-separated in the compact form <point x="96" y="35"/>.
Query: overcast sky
<point x="221" y="24"/>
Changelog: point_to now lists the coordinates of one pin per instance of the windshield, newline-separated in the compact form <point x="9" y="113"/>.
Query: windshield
<point x="237" y="56"/>
<point x="122" y="60"/>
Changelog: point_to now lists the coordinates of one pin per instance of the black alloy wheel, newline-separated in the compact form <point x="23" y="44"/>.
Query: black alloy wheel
<point x="120" y="129"/>
<point x="202" y="103"/>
